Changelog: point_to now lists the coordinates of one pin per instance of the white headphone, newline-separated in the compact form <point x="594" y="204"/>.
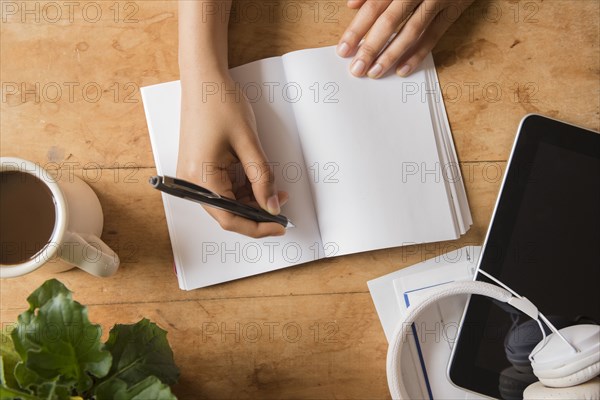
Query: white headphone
<point x="565" y="362"/>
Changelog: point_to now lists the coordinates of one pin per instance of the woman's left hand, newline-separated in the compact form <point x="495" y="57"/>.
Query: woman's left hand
<point x="427" y="21"/>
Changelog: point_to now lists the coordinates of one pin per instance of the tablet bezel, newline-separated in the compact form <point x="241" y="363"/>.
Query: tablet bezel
<point x="532" y="130"/>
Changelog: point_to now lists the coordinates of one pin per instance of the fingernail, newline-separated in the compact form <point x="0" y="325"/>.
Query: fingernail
<point x="375" y="71"/>
<point x="358" y="67"/>
<point x="343" y="49"/>
<point x="404" y="70"/>
<point x="273" y="205"/>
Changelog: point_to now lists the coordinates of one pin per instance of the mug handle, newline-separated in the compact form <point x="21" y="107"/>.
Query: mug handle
<point x="90" y="254"/>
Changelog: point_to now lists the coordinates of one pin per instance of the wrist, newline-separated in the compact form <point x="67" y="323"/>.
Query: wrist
<point x="194" y="81"/>
<point x="199" y="71"/>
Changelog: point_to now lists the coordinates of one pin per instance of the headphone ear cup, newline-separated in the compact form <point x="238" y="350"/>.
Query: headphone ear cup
<point x="589" y="390"/>
<point x="557" y="365"/>
<point x="524" y="337"/>
<point x="573" y="379"/>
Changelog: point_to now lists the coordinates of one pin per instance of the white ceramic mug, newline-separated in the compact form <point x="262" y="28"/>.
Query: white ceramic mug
<point x="77" y="228"/>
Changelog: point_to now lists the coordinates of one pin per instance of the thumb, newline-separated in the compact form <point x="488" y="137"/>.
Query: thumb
<point x="259" y="172"/>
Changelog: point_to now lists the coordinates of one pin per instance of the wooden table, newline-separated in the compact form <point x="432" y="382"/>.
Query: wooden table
<point x="70" y="100"/>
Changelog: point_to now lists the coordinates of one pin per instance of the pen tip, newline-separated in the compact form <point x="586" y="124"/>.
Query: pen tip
<point x="290" y="225"/>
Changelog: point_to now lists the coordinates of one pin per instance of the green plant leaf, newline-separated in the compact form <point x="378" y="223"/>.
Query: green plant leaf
<point x="49" y="391"/>
<point x="10" y="391"/>
<point x="150" y="388"/>
<point x="8" y="360"/>
<point x="7" y="393"/>
<point x="49" y="289"/>
<point x="57" y="342"/>
<point x="26" y="378"/>
<point x="141" y="350"/>
<point x="53" y="391"/>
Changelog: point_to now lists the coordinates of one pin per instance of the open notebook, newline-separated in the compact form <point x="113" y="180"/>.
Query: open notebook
<point x="368" y="164"/>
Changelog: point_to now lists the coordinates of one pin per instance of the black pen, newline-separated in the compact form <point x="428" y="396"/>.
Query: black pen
<point x="198" y="194"/>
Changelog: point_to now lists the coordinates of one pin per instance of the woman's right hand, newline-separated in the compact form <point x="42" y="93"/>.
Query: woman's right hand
<point x="218" y="131"/>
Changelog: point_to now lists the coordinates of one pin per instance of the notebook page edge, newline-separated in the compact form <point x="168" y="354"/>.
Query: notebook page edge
<point x="146" y="100"/>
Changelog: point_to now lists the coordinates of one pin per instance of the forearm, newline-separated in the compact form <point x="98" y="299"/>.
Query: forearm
<point x="202" y="39"/>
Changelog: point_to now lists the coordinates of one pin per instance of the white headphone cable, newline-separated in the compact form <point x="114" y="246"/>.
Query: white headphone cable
<point x="540" y="315"/>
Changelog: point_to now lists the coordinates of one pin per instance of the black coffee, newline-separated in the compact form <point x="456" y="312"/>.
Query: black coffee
<point x="27" y="216"/>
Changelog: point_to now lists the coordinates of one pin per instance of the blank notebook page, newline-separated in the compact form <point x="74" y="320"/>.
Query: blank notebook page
<point x="380" y="138"/>
<point x="204" y="253"/>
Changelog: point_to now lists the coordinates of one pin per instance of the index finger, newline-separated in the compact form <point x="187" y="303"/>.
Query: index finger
<point x="219" y="181"/>
<point x="234" y="223"/>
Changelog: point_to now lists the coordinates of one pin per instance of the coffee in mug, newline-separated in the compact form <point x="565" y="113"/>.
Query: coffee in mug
<point x="27" y="216"/>
<point x="43" y="218"/>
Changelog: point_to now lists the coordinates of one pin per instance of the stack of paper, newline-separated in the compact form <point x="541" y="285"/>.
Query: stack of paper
<point x="425" y="361"/>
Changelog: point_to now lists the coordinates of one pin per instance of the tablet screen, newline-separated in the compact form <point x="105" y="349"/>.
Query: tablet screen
<point x="544" y="243"/>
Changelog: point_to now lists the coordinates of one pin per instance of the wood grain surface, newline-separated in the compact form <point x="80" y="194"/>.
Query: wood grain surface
<point x="70" y="101"/>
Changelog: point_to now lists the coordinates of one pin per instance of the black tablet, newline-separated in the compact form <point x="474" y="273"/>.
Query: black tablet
<point x="544" y="243"/>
